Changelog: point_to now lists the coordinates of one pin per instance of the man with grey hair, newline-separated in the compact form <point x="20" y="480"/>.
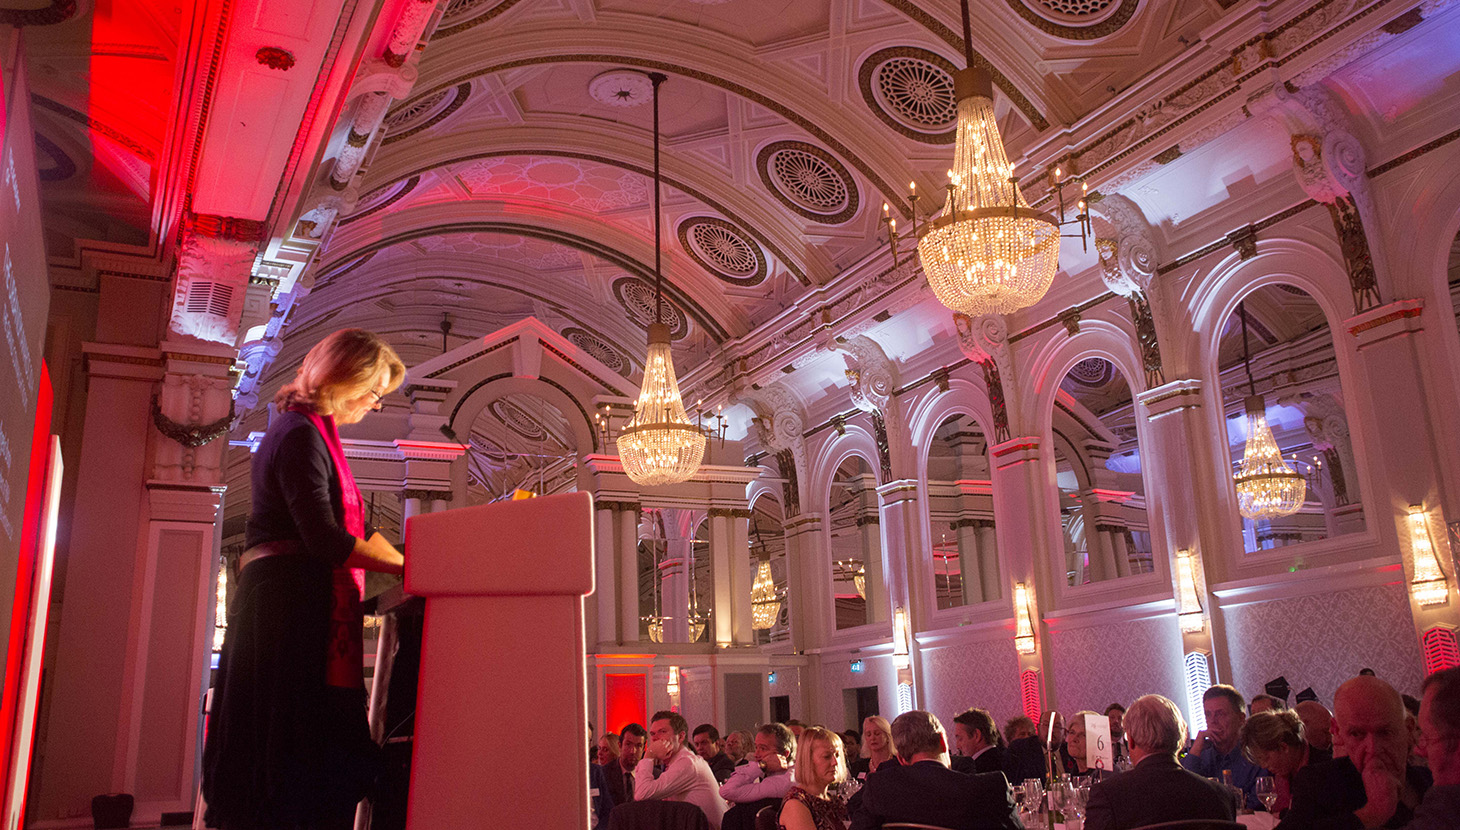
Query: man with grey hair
<point x="923" y="790"/>
<point x="1155" y="731"/>
<point x="1373" y="786"/>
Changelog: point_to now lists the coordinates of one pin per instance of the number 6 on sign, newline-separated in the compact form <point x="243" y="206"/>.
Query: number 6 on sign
<point x="1098" y="751"/>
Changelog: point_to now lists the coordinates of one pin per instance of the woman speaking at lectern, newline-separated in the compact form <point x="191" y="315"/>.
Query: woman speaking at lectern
<point x="288" y="745"/>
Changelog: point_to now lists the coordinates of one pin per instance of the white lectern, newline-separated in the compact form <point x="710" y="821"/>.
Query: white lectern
<point x="501" y="709"/>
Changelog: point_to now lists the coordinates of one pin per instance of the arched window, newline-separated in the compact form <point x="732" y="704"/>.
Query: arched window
<point x="1278" y="344"/>
<point x="1101" y="492"/>
<point x="856" y="538"/>
<point x="767" y="539"/>
<point x="961" y="515"/>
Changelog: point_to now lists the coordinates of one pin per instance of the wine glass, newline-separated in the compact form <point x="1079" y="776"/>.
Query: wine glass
<point x="1266" y="791"/>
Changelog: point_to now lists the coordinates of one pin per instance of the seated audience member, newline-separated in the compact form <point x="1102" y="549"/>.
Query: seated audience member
<point x="706" y="740"/>
<point x="1265" y="703"/>
<point x="1218" y="748"/>
<point x="926" y="791"/>
<point x="819" y="764"/>
<point x="977" y="742"/>
<point x="600" y="801"/>
<point x="607" y="750"/>
<point x="738" y="745"/>
<point x="763" y="780"/>
<point x="1439" y="722"/>
<point x="852" y="743"/>
<point x="1317" y="723"/>
<point x="878" y="745"/>
<point x="1274" y="741"/>
<point x="1018" y="727"/>
<point x="1156" y="789"/>
<point x="1368" y="723"/>
<point x="1075" y="753"/>
<point x="618" y="776"/>
<point x="1116" y="714"/>
<point x="686" y="776"/>
<point x="1026" y="758"/>
<point x="1411" y="723"/>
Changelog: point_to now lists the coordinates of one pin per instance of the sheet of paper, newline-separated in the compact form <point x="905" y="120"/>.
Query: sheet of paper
<point x="1099" y="751"/>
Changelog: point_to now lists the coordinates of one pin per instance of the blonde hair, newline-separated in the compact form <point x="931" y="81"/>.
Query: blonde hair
<point x="341" y="366"/>
<point x="806" y="748"/>
<point x="884" y="726"/>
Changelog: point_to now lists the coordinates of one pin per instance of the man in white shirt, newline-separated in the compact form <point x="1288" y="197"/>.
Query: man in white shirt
<point x="686" y="776"/>
<point x="762" y="782"/>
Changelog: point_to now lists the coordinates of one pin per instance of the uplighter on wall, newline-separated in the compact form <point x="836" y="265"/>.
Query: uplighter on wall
<point x="1187" y="602"/>
<point x="1429" y="585"/>
<point x="1024" y="629"/>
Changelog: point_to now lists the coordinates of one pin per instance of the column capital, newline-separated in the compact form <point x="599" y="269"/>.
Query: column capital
<point x="114" y="360"/>
<point x="426" y="495"/>
<point x="1175" y="396"/>
<point x="729" y="513"/>
<point x="1019" y="450"/>
<point x="610" y="504"/>
<point x="1394" y="319"/>
<point x="897" y="492"/>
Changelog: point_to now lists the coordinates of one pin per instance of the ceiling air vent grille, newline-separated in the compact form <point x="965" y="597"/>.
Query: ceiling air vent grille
<point x="206" y="297"/>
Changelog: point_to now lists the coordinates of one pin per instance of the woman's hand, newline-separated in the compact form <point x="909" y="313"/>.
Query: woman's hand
<point x="376" y="554"/>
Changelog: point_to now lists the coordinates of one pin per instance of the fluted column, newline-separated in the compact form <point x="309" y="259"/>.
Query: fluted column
<point x="969" y="559"/>
<point x="988" y="560"/>
<point x="626" y="525"/>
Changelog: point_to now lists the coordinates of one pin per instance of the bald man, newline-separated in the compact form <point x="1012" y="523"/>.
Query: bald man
<point x="1317" y="724"/>
<point x="1369" y="727"/>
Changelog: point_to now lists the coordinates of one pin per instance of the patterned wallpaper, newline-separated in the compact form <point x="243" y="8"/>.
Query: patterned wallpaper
<point x="1097" y="665"/>
<point x="696" y="698"/>
<point x="837" y="676"/>
<point x="1323" y="639"/>
<point x="983" y="674"/>
<point x="788" y="682"/>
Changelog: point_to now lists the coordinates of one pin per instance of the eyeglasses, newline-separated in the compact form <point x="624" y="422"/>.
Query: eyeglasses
<point x="378" y="405"/>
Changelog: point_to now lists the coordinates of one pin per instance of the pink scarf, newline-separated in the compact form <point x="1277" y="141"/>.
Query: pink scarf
<point x="345" y="663"/>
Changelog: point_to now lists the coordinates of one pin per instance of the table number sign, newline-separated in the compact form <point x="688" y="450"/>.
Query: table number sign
<point x="1099" y="750"/>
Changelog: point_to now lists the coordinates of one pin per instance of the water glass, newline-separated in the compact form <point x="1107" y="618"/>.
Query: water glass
<point x="1266" y="791"/>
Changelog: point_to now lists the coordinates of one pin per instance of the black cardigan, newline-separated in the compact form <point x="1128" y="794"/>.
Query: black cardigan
<point x="296" y="494"/>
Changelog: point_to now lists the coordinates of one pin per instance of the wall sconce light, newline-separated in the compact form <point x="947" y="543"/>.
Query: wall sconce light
<point x="1429" y="585"/>
<point x="1188" y="604"/>
<point x="673" y="687"/>
<point x="1023" y="630"/>
<point x="900" y="653"/>
<point x="902" y="659"/>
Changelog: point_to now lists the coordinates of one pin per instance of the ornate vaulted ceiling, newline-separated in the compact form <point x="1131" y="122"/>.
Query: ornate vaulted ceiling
<point x="515" y="178"/>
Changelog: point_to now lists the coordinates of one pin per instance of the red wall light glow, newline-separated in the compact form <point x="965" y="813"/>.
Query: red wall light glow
<point x="627" y="699"/>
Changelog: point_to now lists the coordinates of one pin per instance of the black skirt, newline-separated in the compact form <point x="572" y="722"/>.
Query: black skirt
<point x="284" y="749"/>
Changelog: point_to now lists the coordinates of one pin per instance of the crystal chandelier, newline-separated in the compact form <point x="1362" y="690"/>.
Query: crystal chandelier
<point x="659" y="445"/>
<point x="1267" y="488"/>
<point x="858" y="573"/>
<point x="765" y="600"/>
<point x="989" y="252"/>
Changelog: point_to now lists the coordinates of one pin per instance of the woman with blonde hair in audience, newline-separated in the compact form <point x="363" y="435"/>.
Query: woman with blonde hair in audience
<point x="820" y="763"/>
<point x="1273" y="740"/>
<point x="877" y="748"/>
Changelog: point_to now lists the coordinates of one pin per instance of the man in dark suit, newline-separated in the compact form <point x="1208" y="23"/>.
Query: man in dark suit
<point x="618" y="776"/>
<point x="1155" y="731"/>
<point x="925" y="791"/>
<point x="978" y="743"/>
<point x="1369" y="725"/>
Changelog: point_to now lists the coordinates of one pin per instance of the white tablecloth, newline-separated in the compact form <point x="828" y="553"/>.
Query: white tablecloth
<point x="1258" y="821"/>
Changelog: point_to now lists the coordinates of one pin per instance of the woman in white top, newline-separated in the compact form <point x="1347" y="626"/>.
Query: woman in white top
<point x="768" y="775"/>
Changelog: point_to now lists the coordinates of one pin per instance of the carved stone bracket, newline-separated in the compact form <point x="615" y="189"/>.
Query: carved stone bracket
<point x="872" y="375"/>
<point x="1244" y="240"/>
<point x="985" y="342"/>
<point x="1140" y="311"/>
